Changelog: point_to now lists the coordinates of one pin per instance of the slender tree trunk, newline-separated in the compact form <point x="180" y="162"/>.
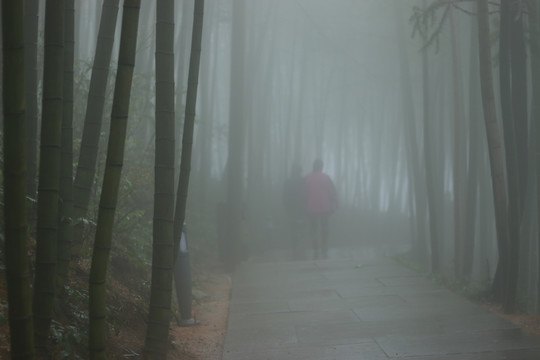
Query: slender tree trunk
<point x="189" y="123"/>
<point x="496" y="155"/>
<point x="518" y="65"/>
<point x="429" y="168"/>
<point x="182" y="284"/>
<point x="473" y="160"/>
<point x="417" y="187"/>
<point x="14" y="131"/>
<point x="86" y="167"/>
<point x="506" y="280"/>
<point x="111" y="180"/>
<point x="208" y="89"/>
<point x="49" y="175"/>
<point x="182" y="66"/>
<point x="76" y="50"/>
<point x="1" y="76"/>
<point x="65" y="231"/>
<point x="298" y="131"/>
<point x="535" y="67"/>
<point x="518" y="62"/>
<point x="519" y="98"/>
<point x="31" y="10"/>
<point x="501" y="279"/>
<point x="459" y="168"/>
<point x="156" y="344"/>
<point x="236" y="144"/>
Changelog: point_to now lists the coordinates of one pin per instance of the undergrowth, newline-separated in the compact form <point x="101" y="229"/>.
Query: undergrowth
<point x="476" y="291"/>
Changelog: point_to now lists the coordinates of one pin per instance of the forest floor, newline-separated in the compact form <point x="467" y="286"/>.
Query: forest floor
<point x="529" y="323"/>
<point x="204" y="340"/>
<point x="128" y="307"/>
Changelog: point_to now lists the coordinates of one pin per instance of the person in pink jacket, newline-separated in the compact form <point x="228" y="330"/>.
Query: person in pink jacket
<point x="321" y="201"/>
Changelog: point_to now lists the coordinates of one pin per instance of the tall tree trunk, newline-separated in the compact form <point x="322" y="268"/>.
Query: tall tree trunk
<point x="496" y="155"/>
<point x="111" y="180"/>
<point x="519" y="98"/>
<point x="1" y="76"/>
<point x="182" y="65"/>
<point x="189" y="123"/>
<point x="518" y="62"/>
<point x="156" y="344"/>
<point x="507" y="272"/>
<point x="434" y="231"/>
<point x="236" y="144"/>
<point x="86" y="167"/>
<point x="65" y="231"/>
<point x="49" y="174"/>
<point x="31" y="10"/>
<point x="16" y="237"/>
<point x="417" y="179"/>
<point x="208" y="80"/>
<point x="76" y="50"/>
<point x="473" y="160"/>
<point x="534" y="20"/>
<point x="459" y="168"/>
<point x="183" y="286"/>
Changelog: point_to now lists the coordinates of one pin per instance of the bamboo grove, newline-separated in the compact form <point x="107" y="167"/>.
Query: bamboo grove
<point x="30" y="326"/>
<point x="125" y="120"/>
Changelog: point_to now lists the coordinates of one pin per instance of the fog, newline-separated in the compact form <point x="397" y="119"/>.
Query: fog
<point x="386" y="92"/>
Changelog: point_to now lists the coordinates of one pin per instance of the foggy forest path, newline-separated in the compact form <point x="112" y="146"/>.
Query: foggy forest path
<point x="360" y="306"/>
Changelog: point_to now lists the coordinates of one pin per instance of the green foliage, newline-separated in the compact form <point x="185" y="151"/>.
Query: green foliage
<point x="132" y="225"/>
<point x="70" y="334"/>
<point x="475" y="291"/>
<point x="2" y="231"/>
<point x="3" y="310"/>
<point x="69" y="338"/>
<point x="81" y="88"/>
<point x="133" y="220"/>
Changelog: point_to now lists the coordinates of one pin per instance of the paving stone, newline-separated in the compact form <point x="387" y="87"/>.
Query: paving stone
<point x="257" y="295"/>
<point x="335" y="333"/>
<point x="396" y="346"/>
<point x="361" y="309"/>
<point x="262" y="337"/>
<point x="362" y="270"/>
<point x="346" y="303"/>
<point x="413" y="311"/>
<point x="258" y="307"/>
<point x="405" y="281"/>
<point x="352" y="290"/>
<point x="527" y="354"/>
<point x="365" y="351"/>
<point x="311" y="318"/>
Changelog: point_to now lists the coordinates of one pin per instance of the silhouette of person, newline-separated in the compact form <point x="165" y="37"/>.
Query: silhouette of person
<point x="293" y="203"/>
<point x="321" y="201"/>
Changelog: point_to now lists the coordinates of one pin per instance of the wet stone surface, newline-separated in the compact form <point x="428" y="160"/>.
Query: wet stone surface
<point x="360" y="308"/>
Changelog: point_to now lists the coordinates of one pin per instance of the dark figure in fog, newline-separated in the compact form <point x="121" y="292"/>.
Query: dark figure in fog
<point x="321" y="201"/>
<point x="293" y="202"/>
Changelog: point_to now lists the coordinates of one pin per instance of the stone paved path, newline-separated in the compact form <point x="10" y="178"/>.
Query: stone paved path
<point x="360" y="309"/>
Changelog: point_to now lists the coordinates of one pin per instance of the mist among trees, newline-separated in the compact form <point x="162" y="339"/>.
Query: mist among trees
<point x="126" y="122"/>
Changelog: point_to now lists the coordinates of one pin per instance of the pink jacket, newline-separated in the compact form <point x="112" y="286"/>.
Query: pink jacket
<point x="319" y="192"/>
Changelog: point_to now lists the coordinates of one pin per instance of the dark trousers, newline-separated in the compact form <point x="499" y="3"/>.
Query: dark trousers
<point x="319" y="231"/>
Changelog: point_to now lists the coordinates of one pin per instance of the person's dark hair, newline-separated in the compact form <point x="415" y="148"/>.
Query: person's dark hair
<point x="317" y="165"/>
